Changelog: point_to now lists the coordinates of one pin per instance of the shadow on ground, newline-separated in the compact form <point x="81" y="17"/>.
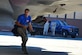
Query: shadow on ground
<point x="16" y="50"/>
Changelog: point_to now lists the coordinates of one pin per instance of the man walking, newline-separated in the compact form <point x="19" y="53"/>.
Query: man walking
<point x="22" y="23"/>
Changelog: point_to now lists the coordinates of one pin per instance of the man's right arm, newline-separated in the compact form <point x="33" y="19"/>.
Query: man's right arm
<point x="18" y="24"/>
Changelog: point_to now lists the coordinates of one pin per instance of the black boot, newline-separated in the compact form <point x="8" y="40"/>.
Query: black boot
<point x="24" y="48"/>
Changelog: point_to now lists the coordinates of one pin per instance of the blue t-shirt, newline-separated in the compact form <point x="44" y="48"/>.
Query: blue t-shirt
<point x="22" y="19"/>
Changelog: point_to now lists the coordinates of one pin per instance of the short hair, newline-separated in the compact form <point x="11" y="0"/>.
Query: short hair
<point x="27" y="9"/>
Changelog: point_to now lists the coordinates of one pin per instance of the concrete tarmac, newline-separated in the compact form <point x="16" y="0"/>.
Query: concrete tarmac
<point x="40" y="45"/>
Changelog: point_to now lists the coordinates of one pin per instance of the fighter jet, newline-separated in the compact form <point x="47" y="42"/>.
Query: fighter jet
<point x="42" y="7"/>
<point x="10" y="9"/>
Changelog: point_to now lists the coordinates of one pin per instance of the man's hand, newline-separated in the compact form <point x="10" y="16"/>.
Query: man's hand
<point x="33" y="33"/>
<point x="31" y="29"/>
<point x="25" y="27"/>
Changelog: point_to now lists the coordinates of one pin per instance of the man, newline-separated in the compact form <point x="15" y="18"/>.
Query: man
<point x="46" y="27"/>
<point x="53" y="27"/>
<point x="23" y="22"/>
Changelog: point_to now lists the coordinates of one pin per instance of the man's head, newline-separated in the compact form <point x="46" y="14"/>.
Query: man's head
<point x="26" y="12"/>
<point x="44" y="18"/>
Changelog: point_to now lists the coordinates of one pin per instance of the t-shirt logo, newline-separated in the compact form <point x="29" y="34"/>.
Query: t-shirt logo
<point x="27" y="20"/>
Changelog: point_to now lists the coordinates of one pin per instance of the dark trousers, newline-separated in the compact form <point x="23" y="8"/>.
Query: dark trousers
<point x="22" y="32"/>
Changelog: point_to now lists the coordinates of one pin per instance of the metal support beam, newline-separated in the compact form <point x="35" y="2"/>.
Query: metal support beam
<point x="65" y="17"/>
<point x="74" y="15"/>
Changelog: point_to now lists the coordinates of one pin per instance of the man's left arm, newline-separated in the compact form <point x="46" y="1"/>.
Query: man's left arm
<point x="30" y="27"/>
